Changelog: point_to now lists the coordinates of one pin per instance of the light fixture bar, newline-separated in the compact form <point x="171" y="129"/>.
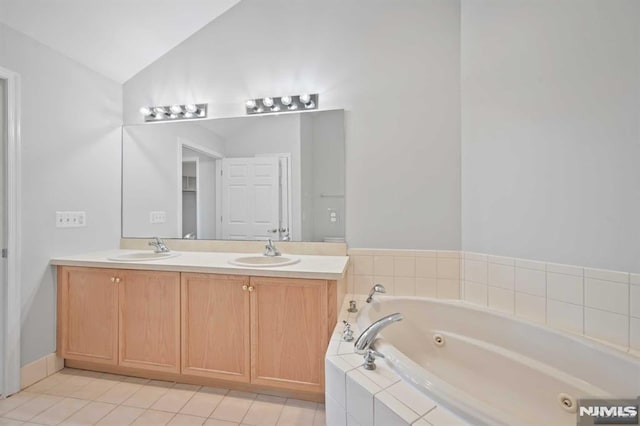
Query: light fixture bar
<point x="174" y="112"/>
<point x="291" y="103"/>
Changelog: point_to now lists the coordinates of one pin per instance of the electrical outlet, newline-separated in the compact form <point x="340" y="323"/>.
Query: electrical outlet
<point x="67" y="219"/>
<point x="157" y="217"/>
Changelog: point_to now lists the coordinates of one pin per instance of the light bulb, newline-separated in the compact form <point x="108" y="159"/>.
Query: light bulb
<point x="191" y="108"/>
<point x="160" y="110"/>
<point x="251" y="104"/>
<point x="286" y="100"/>
<point x="293" y="106"/>
<point x="305" y="98"/>
<point x="310" y="104"/>
<point x="146" y="111"/>
<point x="275" y="108"/>
<point x="268" y="102"/>
<point x="188" y="114"/>
<point x="173" y="116"/>
<point x="176" y="109"/>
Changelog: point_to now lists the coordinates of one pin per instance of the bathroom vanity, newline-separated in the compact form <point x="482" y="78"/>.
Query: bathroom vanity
<point x="196" y="318"/>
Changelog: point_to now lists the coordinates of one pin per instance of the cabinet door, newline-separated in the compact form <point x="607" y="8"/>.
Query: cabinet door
<point x="150" y="320"/>
<point x="215" y="326"/>
<point x="88" y="314"/>
<point x="288" y="333"/>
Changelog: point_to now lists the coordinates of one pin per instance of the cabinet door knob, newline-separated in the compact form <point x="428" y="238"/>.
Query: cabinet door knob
<point x="251" y="288"/>
<point x="245" y="287"/>
<point x="113" y="279"/>
<point x="117" y="280"/>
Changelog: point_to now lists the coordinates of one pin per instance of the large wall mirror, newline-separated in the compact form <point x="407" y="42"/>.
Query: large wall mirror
<point x="244" y="178"/>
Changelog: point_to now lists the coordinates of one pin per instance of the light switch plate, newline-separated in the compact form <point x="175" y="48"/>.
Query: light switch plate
<point x="68" y="219"/>
<point x="157" y="217"/>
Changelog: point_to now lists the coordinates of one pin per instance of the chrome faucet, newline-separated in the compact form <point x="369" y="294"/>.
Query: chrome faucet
<point x="159" y="245"/>
<point x="364" y="343"/>
<point x="270" y="249"/>
<point x="378" y="288"/>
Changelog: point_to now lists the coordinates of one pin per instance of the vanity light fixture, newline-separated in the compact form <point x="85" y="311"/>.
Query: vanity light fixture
<point x="174" y="112"/>
<point x="284" y="104"/>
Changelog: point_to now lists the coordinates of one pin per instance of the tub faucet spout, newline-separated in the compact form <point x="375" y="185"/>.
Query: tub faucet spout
<point x="364" y="343"/>
<point x="378" y="288"/>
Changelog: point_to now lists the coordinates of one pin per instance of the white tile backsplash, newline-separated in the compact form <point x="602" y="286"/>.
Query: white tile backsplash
<point x="404" y="266"/>
<point x="532" y="308"/>
<point x="475" y="293"/>
<point x="568" y="297"/>
<point x="501" y="299"/>
<point x="426" y="267"/>
<point x="502" y="276"/>
<point x="635" y="301"/>
<point x="475" y="271"/>
<point x="531" y="281"/>
<point x="607" y="326"/>
<point x="606" y="295"/>
<point x="383" y="265"/>
<point x="448" y="268"/>
<point x="565" y="288"/>
<point x="565" y="316"/>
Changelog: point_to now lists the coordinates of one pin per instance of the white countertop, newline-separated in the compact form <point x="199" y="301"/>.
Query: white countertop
<point x="320" y="267"/>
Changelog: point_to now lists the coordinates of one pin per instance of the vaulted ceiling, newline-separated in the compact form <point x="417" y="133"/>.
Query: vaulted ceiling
<point x="117" y="38"/>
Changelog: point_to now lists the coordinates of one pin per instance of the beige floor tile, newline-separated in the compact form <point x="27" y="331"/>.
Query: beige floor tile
<point x="93" y="389"/>
<point x="59" y="411"/>
<point x="147" y="395"/>
<point x="119" y="393"/>
<point x="10" y="422"/>
<point x="175" y="398"/>
<point x="234" y="406"/>
<point x="153" y="418"/>
<point x="297" y="413"/>
<point x="186" y="420"/>
<point x="264" y="411"/>
<point x="204" y="402"/>
<point x="70" y="385"/>
<point x="121" y="416"/>
<point x="90" y="414"/>
<point x="33" y="407"/>
<point x="14" y="401"/>
<point x="216" y="422"/>
<point x="46" y="383"/>
<point x="138" y="380"/>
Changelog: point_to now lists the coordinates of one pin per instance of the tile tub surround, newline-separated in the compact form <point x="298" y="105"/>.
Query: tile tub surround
<point x="600" y="304"/>
<point x="86" y="397"/>
<point x="425" y="273"/>
<point x="355" y="396"/>
<point x="596" y="303"/>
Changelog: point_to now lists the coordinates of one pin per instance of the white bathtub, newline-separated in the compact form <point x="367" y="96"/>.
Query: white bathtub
<point x="496" y="369"/>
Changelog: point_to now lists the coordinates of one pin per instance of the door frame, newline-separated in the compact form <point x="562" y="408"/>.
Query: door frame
<point x="10" y="333"/>
<point x="186" y="143"/>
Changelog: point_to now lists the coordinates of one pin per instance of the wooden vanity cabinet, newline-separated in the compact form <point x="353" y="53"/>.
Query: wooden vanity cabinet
<point x="88" y="314"/>
<point x="149" y="325"/>
<point x="289" y="332"/>
<point x="215" y="326"/>
<point x="120" y="317"/>
<point x="254" y="333"/>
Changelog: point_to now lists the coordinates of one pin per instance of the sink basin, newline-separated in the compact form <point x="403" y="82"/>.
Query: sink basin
<point x="264" y="261"/>
<point x="142" y="256"/>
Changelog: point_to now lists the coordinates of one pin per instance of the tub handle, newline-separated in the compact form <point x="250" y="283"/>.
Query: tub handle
<point x="370" y="359"/>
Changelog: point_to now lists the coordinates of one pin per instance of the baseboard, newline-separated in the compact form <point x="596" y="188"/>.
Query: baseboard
<point x="40" y="369"/>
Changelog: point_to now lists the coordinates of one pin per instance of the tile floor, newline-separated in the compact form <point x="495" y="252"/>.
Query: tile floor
<point x="77" y="397"/>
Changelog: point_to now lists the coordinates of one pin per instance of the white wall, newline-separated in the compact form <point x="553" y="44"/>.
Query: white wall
<point x="151" y="171"/>
<point x="394" y="68"/>
<point x="550" y="130"/>
<point x="71" y="121"/>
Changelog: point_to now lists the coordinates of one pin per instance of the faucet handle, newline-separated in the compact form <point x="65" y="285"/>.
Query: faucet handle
<point x="370" y="359"/>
